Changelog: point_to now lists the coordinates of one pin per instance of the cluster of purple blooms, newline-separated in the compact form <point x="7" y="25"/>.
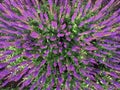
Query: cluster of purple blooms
<point x="59" y="45"/>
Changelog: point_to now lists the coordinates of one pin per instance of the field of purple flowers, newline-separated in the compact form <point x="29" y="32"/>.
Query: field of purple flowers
<point x="60" y="45"/>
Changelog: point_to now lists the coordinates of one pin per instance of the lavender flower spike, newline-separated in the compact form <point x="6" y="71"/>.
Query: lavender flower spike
<point x="59" y="45"/>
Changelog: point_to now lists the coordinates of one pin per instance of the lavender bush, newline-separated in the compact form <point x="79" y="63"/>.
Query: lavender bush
<point x="59" y="45"/>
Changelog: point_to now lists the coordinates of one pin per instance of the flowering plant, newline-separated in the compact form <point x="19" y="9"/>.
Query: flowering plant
<point x="59" y="45"/>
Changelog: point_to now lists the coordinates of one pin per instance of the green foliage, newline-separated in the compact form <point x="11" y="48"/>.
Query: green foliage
<point x="15" y="10"/>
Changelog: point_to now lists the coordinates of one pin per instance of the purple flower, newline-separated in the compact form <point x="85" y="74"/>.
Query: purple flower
<point x="34" y="35"/>
<point x="68" y="9"/>
<point x="59" y="44"/>
<point x="41" y="26"/>
<point x="3" y="65"/>
<point x="60" y="35"/>
<point x="54" y="24"/>
<point x="70" y="68"/>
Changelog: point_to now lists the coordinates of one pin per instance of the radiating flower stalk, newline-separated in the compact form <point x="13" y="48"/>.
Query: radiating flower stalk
<point x="59" y="45"/>
<point x="114" y="6"/>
